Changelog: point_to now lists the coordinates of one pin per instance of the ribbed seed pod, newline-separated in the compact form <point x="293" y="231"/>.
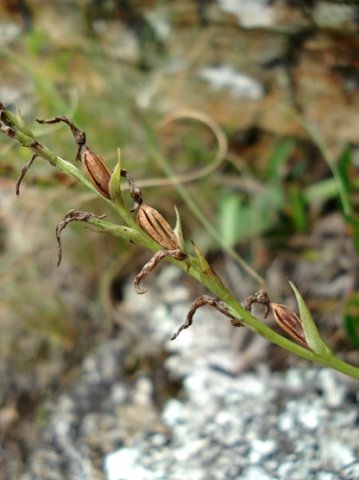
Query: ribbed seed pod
<point x="289" y="322"/>
<point x="97" y="171"/>
<point x="152" y="222"/>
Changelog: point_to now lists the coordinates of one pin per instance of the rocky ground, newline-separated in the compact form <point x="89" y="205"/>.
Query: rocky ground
<point x="196" y="418"/>
<point x="91" y="389"/>
<point x="279" y="65"/>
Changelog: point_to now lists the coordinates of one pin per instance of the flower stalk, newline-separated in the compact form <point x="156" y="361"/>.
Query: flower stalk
<point x="150" y="230"/>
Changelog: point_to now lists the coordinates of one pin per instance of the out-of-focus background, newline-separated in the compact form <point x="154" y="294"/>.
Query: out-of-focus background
<point x="255" y="103"/>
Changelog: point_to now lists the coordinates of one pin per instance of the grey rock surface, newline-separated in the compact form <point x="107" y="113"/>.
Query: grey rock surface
<point x="300" y="424"/>
<point x="250" y="427"/>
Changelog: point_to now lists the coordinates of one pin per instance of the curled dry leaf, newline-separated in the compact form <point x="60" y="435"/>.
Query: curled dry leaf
<point x="201" y="302"/>
<point x="152" y="264"/>
<point x="135" y="191"/>
<point x="259" y="297"/>
<point x="71" y="216"/>
<point x="94" y="166"/>
<point x="23" y="173"/>
<point x="79" y="135"/>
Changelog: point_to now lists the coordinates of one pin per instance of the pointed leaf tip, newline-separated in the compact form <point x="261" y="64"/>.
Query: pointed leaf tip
<point x="178" y="230"/>
<point x="206" y="269"/>
<point x="314" y="340"/>
<point x="21" y="123"/>
<point x="115" y="181"/>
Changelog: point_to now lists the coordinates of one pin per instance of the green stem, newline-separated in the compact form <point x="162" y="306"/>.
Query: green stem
<point x="257" y="326"/>
<point x="215" y="285"/>
<point x="16" y="128"/>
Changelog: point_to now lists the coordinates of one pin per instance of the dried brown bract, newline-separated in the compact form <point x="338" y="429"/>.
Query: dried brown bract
<point x="94" y="166"/>
<point x="23" y="173"/>
<point x="201" y="302"/>
<point x="289" y="322"/>
<point x="259" y="297"/>
<point x="152" y="264"/>
<point x="79" y="135"/>
<point x="9" y="131"/>
<point x="71" y="216"/>
<point x="135" y="191"/>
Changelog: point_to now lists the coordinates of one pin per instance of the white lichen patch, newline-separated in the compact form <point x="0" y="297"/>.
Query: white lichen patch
<point x="239" y="84"/>
<point x="250" y="13"/>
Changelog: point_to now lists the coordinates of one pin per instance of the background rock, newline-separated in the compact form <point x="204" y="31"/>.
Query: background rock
<point x="298" y="424"/>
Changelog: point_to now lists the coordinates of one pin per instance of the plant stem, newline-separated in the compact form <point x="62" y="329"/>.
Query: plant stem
<point x="215" y="285"/>
<point x="257" y="326"/>
<point x="14" y="127"/>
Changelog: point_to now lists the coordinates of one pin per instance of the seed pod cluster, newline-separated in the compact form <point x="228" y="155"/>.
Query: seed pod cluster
<point x="148" y="218"/>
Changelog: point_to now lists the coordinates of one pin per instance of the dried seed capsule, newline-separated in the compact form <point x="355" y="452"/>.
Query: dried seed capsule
<point x="152" y="222"/>
<point x="93" y="164"/>
<point x="96" y="169"/>
<point x="289" y="322"/>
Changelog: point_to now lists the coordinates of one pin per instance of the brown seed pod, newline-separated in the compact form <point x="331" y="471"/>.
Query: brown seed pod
<point x="152" y="222"/>
<point x="94" y="166"/>
<point x="96" y="169"/>
<point x="289" y="322"/>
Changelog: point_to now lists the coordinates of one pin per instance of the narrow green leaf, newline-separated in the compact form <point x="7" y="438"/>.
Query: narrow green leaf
<point x="240" y="220"/>
<point x="22" y="125"/>
<point x="321" y="191"/>
<point x="178" y="230"/>
<point x="340" y="173"/>
<point x="279" y="156"/>
<point x="351" y="319"/>
<point x="312" y="334"/>
<point x="343" y="165"/>
<point x="115" y="182"/>
<point x="298" y="208"/>
<point x="229" y="215"/>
